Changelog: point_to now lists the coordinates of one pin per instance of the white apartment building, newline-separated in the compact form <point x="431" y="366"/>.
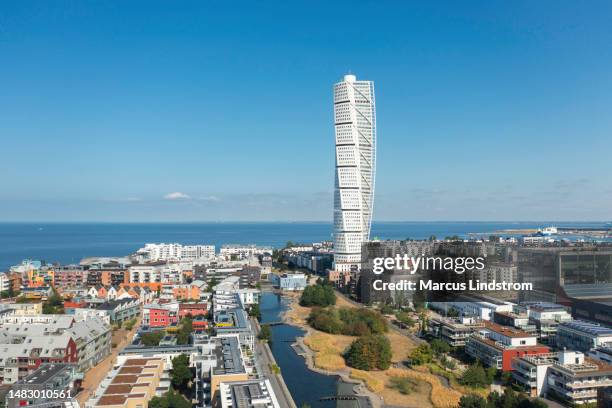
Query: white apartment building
<point x="567" y="374"/>
<point x="479" y="309"/>
<point x="241" y="252"/>
<point x="355" y="134"/>
<point x="165" y="252"/>
<point x="5" y="282"/>
<point x="250" y="393"/>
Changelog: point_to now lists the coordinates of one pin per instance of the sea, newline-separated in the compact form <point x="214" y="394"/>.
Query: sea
<point x="68" y="243"/>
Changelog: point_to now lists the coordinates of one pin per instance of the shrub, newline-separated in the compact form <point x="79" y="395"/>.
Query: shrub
<point x="475" y="377"/>
<point x="369" y="353"/>
<point x="421" y="355"/>
<point x="404" y="385"/>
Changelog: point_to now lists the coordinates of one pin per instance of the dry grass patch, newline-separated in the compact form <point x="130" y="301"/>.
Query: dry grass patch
<point x="401" y="346"/>
<point x="328" y="349"/>
<point x="441" y="396"/>
<point x="374" y="384"/>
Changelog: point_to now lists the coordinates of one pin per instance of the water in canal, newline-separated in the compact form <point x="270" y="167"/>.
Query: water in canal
<point x="306" y="387"/>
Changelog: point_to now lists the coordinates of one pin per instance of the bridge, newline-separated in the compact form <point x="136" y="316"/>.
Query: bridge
<point x="340" y="398"/>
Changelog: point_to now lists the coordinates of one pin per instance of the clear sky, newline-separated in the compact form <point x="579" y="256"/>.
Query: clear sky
<point x="222" y="110"/>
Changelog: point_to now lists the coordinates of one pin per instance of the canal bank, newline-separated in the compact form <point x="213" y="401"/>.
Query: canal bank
<point x="307" y="384"/>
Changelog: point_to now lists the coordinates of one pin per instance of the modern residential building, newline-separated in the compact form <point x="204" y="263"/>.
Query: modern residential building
<point x="235" y="322"/>
<point x="566" y="375"/>
<point x="19" y="357"/>
<point x="248" y="394"/>
<point x="228" y="366"/>
<point x="355" y="137"/>
<point x="120" y="310"/>
<point x="546" y="317"/>
<point x="496" y="346"/>
<point x="582" y="336"/>
<point x="59" y="377"/>
<point x="160" y="315"/>
<point x="93" y="339"/>
<point x="289" y="281"/>
<point x="471" y="307"/>
<point x="455" y="331"/>
<point x="241" y="252"/>
<point x="132" y="384"/>
<point x="165" y="252"/>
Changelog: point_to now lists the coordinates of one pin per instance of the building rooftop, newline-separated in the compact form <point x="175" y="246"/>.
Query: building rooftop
<point x="229" y="357"/>
<point x="45" y="373"/>
<point x="506" y="331"/>
<point x="587" y="327"/>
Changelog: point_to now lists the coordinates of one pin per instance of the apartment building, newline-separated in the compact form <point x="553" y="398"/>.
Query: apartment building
<point x="70" y="276"/>
<point x="235" y="322"/>
<point x="132" y="384"/>
<point x="228" y="366"/>
<point x="20" y="357"/>
<point x="289" y="281"/>
<point x="455" y="331"/>
<point x="496" y="345"/>
<point x="242" y="252"/>
<point x="546" y="317"/>
<point x="480" y="309"/>
<point x="59" y="377"/>
<point x="566" y="375"/>
<point x="248" y="394"/>
<point x="93" y="339"/>
<point x="160" y="315"/>
<point x="582" y="336"/>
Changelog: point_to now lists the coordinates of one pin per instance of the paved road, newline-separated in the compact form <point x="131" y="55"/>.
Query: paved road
<point x="95" y="375"/>
<point x="264" y="360"/>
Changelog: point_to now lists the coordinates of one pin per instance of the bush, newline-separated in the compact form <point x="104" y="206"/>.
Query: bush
<point x="421" y="355"/>
<point x="439" y="346"/>
<point x="265" y="333"/>
<point x="320" y="294"/>
<point x="474" y="377"/>
<point x="369" y="353"/>
<point x="403" y="384"/>
<point x="472" y="401"/>
<point x="405" y="319"/>
<point x="347" y="321"/>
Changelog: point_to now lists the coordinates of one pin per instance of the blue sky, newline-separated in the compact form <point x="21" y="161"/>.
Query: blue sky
<point x="208" y="110"/>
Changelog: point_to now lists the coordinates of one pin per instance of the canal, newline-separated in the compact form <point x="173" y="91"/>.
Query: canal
<point x="306" y="386"/>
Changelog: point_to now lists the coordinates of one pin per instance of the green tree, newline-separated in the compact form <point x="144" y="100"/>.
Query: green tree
<point x="211" y="284"/>
<point x="255" y="311"/>
<point x="54" y="303"/>
<point x="318" y="295"/>
<point x="265" y="333"/>
<point x="369" y="353"/>
<point x="439" y="346"/>
<point x="421" y="355"/>
<point x="474" y="376"/>
<point x="185" y="330"/>
<point x="181" y="373"/>
<point x="151" y="339"/>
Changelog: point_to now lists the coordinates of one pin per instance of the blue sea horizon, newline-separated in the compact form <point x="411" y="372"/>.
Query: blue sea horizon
<point x="69" y="242"/>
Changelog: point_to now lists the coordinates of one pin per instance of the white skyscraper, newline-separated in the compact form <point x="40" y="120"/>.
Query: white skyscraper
<point x="355" y="127"/>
